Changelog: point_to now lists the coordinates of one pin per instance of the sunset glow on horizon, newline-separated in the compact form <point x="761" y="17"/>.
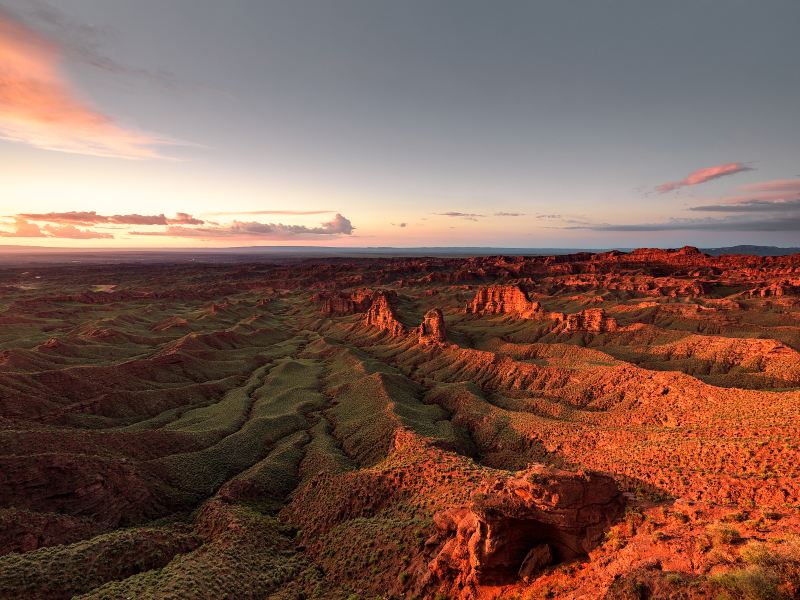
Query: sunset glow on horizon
<point x="193" y="124"/>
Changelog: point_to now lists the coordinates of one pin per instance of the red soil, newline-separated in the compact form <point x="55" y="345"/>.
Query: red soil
<point x="615" y="425"/>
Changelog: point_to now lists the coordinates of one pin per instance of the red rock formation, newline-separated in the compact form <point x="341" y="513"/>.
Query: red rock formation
<point x="345" y="304"/>
<point x="591" y="319"/>
<point x="432" y="329"/>
<point x="538" y="558"/>
<point x="638" y="284"/>
<point x="524" y="523"/>
<point x="382" y="316"/>
<point x="511" y="300"/>
<point x="776" y="289"/>
<point x="503" y="300"/>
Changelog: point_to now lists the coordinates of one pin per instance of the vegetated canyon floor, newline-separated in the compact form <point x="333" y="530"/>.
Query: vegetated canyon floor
<point x="614" y="425"/>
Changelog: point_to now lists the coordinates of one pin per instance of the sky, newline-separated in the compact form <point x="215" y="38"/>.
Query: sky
<point x="199" y="123"/>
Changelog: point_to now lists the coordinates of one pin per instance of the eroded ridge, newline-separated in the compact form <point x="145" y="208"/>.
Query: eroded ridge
<point x="580" y="426"/>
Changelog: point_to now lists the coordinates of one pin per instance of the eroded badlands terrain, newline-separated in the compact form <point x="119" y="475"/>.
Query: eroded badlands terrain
<point x="586" y="426"/>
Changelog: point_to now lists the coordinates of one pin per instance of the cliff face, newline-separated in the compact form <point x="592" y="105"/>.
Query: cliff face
<point x="337" y="304"/>
<point x="776" y="289"/>
<point x="432" y="329"/>
<point x="524" y="524"/>
<point x="503" y="300"/>
<point x="591" y="319"/>
<point x="382" y="316"/>
<point x="511" y="300"/>
<point x="635" y="284"/>
<point x="379" y="308"/>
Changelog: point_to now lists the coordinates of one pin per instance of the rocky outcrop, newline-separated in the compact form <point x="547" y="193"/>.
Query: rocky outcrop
<point x="511" y="300"/>
<point x="591" y="319"/>
<point x="681" y="256"/>
<point x="503" y="300"/>
<point x="536" y="560"/>
<point x="381" y="314"/>
<point x="432" y="329"/>
<point x="775" y="290"/>
<point x="636" y="284"/>
<point x="337" y="304"/>
<point x="524" y="523"/>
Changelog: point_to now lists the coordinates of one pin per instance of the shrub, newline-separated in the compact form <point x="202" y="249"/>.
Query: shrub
<point x="723" y="535"/>
<point x="772" y="572"/>
<point x="737" y="517"/>
<point x="674" y="579"/>
<point x="749" y="584"/>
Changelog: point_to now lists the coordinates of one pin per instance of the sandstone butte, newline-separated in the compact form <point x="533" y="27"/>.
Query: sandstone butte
<point x="601" y="426"/>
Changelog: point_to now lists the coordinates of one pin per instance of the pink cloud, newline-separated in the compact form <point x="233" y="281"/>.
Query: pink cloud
<point x="186" y="219"/>
<point x="24" y="229"/>
<point x="73" y="233"/>
<point x="80" y="218"/>
<point x="790" y="186"/>
<point x="702" y="175"/>
<point x="38" y="107"/>
<point x="778" y="195"/>
<point x="92" y="218"/>
<point x="339" y="225"/>
<point x="65" y="225"/>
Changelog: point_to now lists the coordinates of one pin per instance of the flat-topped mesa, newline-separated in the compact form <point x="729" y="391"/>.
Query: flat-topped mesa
<point x="679" y="255"/>
<point x="524" y="523"/>
<point x="503" y="300"/>
<point x="590" y="319"/>
<point x="381" y="314"/>
<point x="432" y="329"/>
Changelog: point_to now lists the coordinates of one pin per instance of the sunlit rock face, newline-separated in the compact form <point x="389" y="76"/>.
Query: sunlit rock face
<point x="432" y="328"/>
<point x="526" y="522"/>
<point x="591" y="319"/>
<point x="503" y="300"/>
<point x="338" y="304"/>
<point x="381" y="314"/>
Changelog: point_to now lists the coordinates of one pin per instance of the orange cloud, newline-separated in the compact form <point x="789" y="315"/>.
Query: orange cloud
<point x="703" y="175"/>
<point x="24" y="229"/>
<point x="65" y="225"/>
<point x="73" y="233"/>
<point x="37" y="106"/>
<point x="92" y="218"/>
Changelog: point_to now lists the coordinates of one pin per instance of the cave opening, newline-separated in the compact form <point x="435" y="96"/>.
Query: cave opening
<point x="521" y="548"/>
